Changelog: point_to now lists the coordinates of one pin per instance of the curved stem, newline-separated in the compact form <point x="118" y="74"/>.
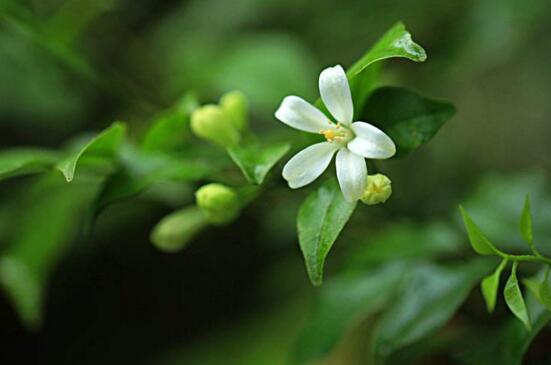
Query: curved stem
<point x="529" y="258"/>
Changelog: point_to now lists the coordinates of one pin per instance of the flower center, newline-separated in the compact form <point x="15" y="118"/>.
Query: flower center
<point x="339" y="134"/>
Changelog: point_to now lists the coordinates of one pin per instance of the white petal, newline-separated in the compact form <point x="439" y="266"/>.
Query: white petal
<point x="371" y="142"/>
<point x="298" y="113"/>
<point x="352" y="174"/>
<point x="335" y="93"/>
<point x="307" y="165"/>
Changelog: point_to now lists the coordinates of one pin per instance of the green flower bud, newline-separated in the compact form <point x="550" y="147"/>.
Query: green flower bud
<point x="213" y="124"/>
<point x="177" y="229"/>
<point x="378" y="189"/>
<point x="218" y="202"/>
<point x="236" y="105"/>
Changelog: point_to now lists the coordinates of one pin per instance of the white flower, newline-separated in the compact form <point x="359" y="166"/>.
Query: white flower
<point x="351" y="141"/>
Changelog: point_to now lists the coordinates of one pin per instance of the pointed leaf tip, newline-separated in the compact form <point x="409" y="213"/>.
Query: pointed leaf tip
<point x="526" y="222"/>
<point x="515" y="300"/>
<point x="478" y="241"/>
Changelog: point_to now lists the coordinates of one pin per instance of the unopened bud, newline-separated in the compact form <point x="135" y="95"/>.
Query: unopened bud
<point x="236" y="105"/>
<point x="378" y="190"/>
<point x="177" y="229"/>
<point x="218" y="202"/>
<point x="213" y="124"/>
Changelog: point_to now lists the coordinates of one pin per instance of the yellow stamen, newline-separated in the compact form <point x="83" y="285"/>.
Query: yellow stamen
<point x="329" y="134"/>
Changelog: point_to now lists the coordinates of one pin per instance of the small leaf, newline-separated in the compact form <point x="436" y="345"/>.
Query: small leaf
<point x="478" y="241"/>
<point x="177" y="229"/>
<point x="410" y="119"/>
<point x="545" y="290"/>
<point x="490" y="285"/>
<point x="396" y="42"/>
<point x="514" y="299"/>
<point x="428" y="298"/>
<point x="526" y="222"/>
<point x="23" y="161"/>
<point x="168" y="132"/>
<point x="320" y="220"/>
<point x="103" y="146"/>
<point x="255" y="161"/>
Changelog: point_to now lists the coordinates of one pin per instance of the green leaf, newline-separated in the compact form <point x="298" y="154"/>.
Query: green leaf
<point x="23" y="161"/>
<point x="429" y="297"/>
<point x="168" y="132"/>
<point x="514" y="299"/>
<point x="320" y="220"/>
<point x="490" y="286"/>
<point x="479" y="242"/>
<point x="177" y="229"/>
<point x="526" y="222"/>
<point x="343" y="302"/>
<point x="103" y="146"/>
<point x="255" y="161"/>
<point x="410" y="119"/>
<point x="396" y="42"/>
<point x="140" y="170"/>
<point x="47" y="223"/>
<point x="545" y="290"/>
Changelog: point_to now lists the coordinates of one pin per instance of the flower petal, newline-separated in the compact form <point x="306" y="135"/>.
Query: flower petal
<point x="335" y="93"/>
<point x="371" y="142"/>
<point x="352" y="174"/>
<point x="298" y="113"/>
<point x="307" y="165"/>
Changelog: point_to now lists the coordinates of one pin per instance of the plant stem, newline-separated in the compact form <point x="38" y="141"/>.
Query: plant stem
<point x="529" y="258"/>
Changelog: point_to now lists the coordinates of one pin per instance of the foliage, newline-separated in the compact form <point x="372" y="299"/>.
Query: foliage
<point x="175" y="226"/>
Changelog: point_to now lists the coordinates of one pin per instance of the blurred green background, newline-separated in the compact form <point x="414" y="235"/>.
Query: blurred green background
<point x="239" y="293"/>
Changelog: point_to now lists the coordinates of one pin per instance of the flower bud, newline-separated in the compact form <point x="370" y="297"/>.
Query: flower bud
<point x="218" y="202"/>
<point x="176" y="230"/>
<point x="213" y="124"/>
<point x="378" y="189"/>
<point x="236" y="105"/>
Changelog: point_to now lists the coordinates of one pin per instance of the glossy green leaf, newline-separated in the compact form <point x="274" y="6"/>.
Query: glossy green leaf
<point x="429" y="297"/>
<point x="411" y="120"/>
<point x="23" y="161"/>
<point x="479" y="242"/>
<point x="545" y="290"/>
<point x="256" y="161"/>
<point x="168" y="132"/>
<point x="49" y="219"/>
<point x="177" y="229"/>
<point x="344" y="301"/>
<point x="395" y="43"/>
<point x="320" y="220"/>
<point x="103" y="146"/>
<point x="526" y="222"/>
<point x="490" y="285"/>
<point x="514" y="299"/>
